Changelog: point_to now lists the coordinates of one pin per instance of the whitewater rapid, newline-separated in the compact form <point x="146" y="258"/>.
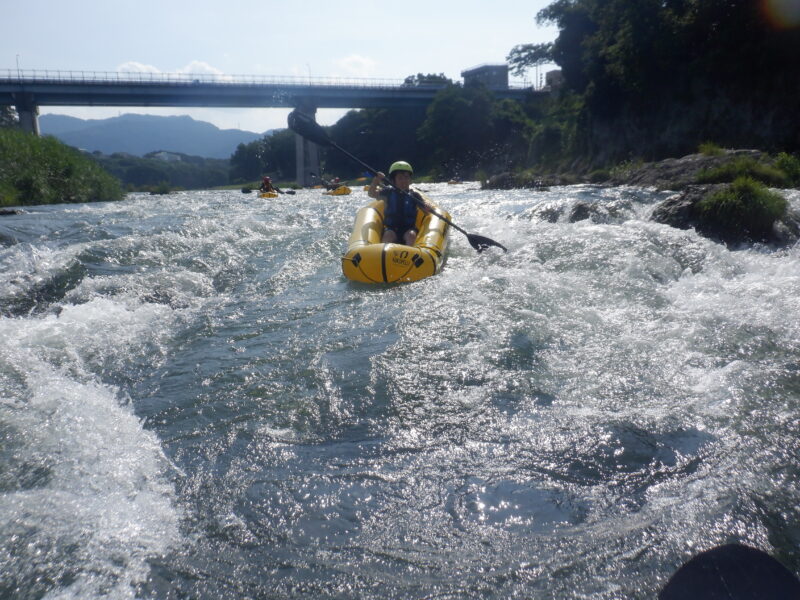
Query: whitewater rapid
<point x="194" y="401"/>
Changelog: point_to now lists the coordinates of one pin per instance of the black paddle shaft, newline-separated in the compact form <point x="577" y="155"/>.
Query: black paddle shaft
<point x="306" y="127"/>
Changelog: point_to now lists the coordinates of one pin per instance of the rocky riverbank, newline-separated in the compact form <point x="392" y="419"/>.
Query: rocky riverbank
<point x="683" y="175"/>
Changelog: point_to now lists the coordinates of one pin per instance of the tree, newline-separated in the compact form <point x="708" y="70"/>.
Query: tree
<point x="429" y="79"/>
<point x="246" y="162"/>
<point x="526" y="56"/>
<point x="278" y="156"/>
<point x="8" y="117"/>
<point x="379" y="136"/>
<point x="459" y="129"/>
<point x="273" y="154"/>
<point x="657" y="77"/>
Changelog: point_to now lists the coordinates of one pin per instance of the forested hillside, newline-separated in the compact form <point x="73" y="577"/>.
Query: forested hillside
<point x="643" y="80"/>
<point x="655" y="78"/>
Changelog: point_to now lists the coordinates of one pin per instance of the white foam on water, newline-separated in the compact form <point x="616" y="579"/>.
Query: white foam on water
<point x="89" y="497"/>
<point x="24" y="266"/>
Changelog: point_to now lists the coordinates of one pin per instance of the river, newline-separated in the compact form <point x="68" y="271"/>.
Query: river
<point x="194" y="403"/>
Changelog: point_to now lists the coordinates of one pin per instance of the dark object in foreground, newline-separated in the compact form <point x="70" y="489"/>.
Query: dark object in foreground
<point x="732" y="572"/>
<point x="305" y="126"/>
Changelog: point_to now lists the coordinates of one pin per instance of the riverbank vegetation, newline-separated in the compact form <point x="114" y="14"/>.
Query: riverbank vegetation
<point x="640" y="81"/>
<point x="42" y="170"/>
<point x="656" y="79"/>
<point x="160" y="169"/>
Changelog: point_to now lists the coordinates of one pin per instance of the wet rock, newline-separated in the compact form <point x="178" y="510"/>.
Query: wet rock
<point x="600" y="212"/>
<point x="678" y="173"/>
<point x="679" y="211"/>
<point x="508" y="181"/>
<point x="786" y="231"/>
<point x="501" y="181"/>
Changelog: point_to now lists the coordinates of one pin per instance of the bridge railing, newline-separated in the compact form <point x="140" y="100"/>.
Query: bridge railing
<point x="145" y="77"/>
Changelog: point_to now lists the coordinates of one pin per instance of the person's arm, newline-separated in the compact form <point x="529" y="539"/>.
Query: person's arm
<point x="372" y="192"/>
<point x="423" y="204"/>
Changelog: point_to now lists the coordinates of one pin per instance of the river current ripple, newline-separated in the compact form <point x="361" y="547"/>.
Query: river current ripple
<point x="195" y="403"/>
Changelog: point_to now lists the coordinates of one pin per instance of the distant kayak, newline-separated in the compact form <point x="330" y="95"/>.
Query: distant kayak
<point x="369" y="261"/>
<point x="342" y="190"/>
<point x="268" y="195"/>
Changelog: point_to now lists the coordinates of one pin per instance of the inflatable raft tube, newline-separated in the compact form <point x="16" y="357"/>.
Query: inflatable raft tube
<point x="369" y="261"/>
<point x="342" y="190"/>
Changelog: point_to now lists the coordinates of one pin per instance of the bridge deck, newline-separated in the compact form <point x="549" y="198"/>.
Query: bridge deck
<point x="80" y="88"/>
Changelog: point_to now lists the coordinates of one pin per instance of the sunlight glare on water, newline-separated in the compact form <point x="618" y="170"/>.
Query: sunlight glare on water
<point x="196" y="403"/>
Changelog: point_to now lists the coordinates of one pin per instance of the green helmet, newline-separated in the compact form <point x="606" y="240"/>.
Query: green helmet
<point x="400" y="165"/>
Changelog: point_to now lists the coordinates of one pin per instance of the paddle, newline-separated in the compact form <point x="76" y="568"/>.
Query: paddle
<point x="330" y="185"/>
<point x="305" y="126"/>
<point x="324" y="181"/>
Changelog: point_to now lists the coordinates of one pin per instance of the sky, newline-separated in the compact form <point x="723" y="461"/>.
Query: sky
<point x="301" y="38"/>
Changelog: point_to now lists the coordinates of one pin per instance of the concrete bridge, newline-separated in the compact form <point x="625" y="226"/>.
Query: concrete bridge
<point x="27" y="90"/>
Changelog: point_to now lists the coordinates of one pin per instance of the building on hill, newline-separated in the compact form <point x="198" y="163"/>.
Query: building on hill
<point x="492" y="76"/>
<point x="165" y="156"/>
<point x="554" y="80"/>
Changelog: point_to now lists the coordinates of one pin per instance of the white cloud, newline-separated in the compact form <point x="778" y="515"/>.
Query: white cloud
<point x="136" y="67"/>
<point x="201" y="68"/>
<point x="356" y="65"/>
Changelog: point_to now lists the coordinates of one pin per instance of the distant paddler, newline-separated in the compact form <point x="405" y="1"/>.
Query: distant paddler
<point x="269" y="190"/>
<point x="266" y="185"/>
<point x="335" y="187"/>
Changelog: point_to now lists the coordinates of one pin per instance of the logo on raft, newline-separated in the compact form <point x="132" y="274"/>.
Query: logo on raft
<point x="400" y="257"/>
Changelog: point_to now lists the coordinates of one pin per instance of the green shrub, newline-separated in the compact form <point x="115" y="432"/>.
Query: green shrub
<point x="744" y="167"/>
<point x="599" y="176"/>
<point x="746" y="206"/>
<point x="8" y="194"/>
<point x="36" y="170"/>
<point x="623" y="170"/>
<point x="160" y="189"/>
<point x="710" y="149"/>
<point x="790" y="165"/>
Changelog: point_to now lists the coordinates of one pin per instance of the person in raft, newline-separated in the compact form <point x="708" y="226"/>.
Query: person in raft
<point x="266" y="185"/>
<point x="400" y="214"/>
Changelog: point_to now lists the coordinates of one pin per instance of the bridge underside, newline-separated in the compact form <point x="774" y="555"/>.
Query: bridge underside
<point x="28" y="94"/>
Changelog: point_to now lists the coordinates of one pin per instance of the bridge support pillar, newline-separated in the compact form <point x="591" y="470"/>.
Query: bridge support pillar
<point x="307" y="154"/>
<point x="28" y="113"/>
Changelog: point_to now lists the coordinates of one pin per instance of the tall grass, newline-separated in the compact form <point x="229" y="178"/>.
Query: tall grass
<point x="744" y="167"/>
<point x="42" y="170"/>
<point x="746" y="206"/>
<point x="790" y="165"/>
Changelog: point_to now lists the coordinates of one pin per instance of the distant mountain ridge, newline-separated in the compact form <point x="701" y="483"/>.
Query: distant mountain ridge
<point x="140" y="134"/>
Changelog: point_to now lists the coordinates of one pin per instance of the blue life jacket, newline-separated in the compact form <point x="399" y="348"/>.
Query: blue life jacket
<point x="401" y="211"/>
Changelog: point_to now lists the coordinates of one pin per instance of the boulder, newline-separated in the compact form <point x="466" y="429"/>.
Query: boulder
<point x="678" y="173"/>
<point x="679" y="211"/>
<point x="501" y="181"/>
